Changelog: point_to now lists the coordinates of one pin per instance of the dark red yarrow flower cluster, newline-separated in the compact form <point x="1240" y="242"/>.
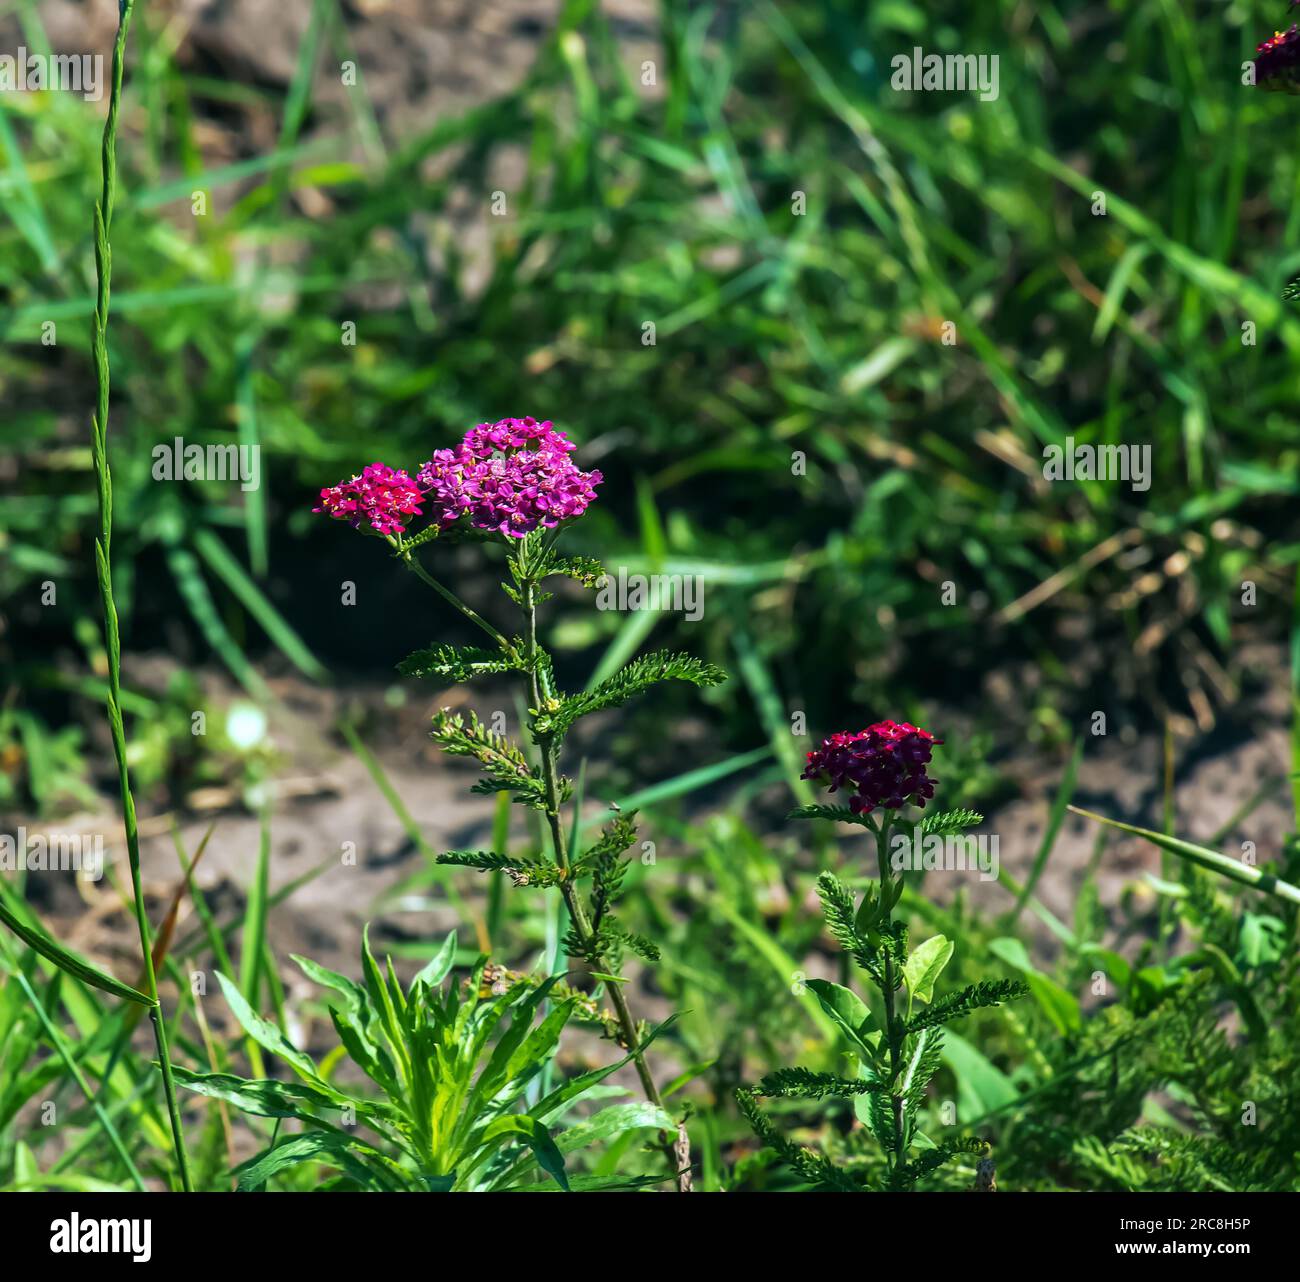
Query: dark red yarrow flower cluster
<point x="381" y="497"/>
<point x="510" y="476"/>
<point x="884" y="764"/>
<point x="1277" y="61"/>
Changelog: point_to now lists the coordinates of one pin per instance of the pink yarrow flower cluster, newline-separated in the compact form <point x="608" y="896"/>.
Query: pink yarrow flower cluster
<point x="380" y="497"/>
<point x="510" y="476"/>
<point x="884" y="764"/>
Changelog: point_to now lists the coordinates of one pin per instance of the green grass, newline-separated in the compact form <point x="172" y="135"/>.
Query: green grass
<point x="799" y="435"/>
<point x="777" y="336"/>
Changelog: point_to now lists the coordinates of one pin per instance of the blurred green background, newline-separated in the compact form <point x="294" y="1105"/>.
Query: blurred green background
<point x="799" y="432"/>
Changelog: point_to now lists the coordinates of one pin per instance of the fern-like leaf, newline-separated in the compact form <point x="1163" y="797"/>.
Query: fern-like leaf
<point x="837" y="904"/>
<point x="506" y="767"/>
<point x="836" y="814"/>
<point x="949" y="821"/>
<point x="988" y="992"/>
<point x="523" y="870"/>
<point x="808" y="1165"/>
<point x="803" y="1083"/>
<point x="457" y="663"/>
<point x="582" y="569"/>
<point x="932" y="1159"/>
<point x="639" y="675"/>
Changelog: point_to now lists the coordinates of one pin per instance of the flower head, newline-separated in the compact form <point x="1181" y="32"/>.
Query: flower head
<point x="381" y="496"/>
<point x="1277" y="61"/>
<point x="510" y="476"/>
<point x="884" y="764"/>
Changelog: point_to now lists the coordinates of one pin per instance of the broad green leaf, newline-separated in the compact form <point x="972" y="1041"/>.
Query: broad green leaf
<point x="1117" y="969"/>
<point x="849" y="1013"/>
<point x="923" y="968"/>
<point x="1060" y="1006"/>
<point x="537" y="1137"/>
<point x="981" y="1086"/>
<point x="330" y="1147"/>
<point x="614" y="1121"/>
<point x="1262" y="939"/>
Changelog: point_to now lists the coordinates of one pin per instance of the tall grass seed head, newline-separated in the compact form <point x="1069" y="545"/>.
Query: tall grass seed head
<point x="884" y="765"/>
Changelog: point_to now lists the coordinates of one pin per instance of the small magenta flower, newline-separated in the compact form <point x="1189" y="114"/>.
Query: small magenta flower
<point x="381" y="496"/>
<point x="885" y="764"/>
<point x="510" y="477"/>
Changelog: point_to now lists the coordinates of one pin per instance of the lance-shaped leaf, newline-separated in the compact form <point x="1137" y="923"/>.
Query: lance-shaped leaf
<point x="362" y="1163"/>
<point x="639" y="675"/>
<point x="65" y="959"/>
<point x="267" y="1036"/>
<point x="270" y="1098"/>
<point x="1205" y="858"/>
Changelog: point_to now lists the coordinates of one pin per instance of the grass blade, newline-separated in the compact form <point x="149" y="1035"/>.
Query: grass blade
<point x="1204" y="857"/>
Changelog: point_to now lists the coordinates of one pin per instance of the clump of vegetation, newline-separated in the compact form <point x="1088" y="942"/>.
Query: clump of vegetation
<point x="832" y="347"/>
<point x="513" y="483"/>
<point x="898" y="1050"/>
<point x="451" y="1070"/>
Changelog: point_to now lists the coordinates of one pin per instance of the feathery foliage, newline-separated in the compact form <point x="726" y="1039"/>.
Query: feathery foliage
<point x="898" y="1052"/>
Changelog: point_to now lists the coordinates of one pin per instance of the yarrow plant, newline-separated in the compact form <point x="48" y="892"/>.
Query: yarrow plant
<point x="513" y="484"/>
<point x="897" y="1045"/>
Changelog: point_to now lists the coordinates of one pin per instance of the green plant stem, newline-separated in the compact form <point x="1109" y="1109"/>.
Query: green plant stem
<point x="894" y="1041"/>
<point x="409" y="560"/>
<point x="540" y="690"/>
<point x="103" y="558"/>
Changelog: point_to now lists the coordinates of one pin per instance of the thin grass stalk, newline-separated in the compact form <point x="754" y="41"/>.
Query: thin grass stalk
<point x="103" y="564"/>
